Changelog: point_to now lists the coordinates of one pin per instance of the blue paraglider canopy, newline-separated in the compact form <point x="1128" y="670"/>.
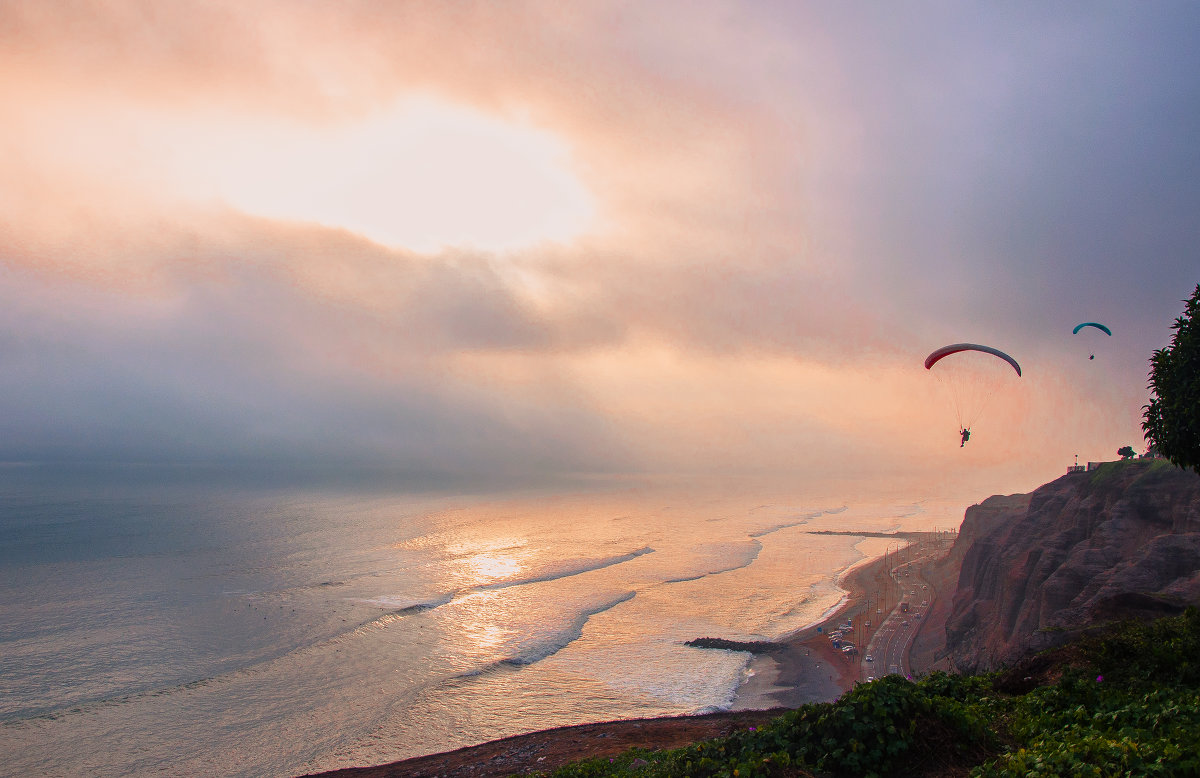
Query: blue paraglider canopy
<point x="1098" y="326"/>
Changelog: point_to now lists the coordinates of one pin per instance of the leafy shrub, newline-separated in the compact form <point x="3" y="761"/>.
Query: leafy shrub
<point x="1130" y="706"/>
<point x="1165" y="651"/>
<point x="876" y="727"/>
<point x="1086" y="727"/>
<point x="870" y="731"/>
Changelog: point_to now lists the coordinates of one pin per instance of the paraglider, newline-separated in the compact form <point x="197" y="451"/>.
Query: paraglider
<point x="971" y="374"/>
<point x="1097" y="325"/>
<point x="955" y="348"/>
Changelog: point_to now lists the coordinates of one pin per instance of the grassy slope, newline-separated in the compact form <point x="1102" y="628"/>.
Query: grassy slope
<point x="1126" y="702"/>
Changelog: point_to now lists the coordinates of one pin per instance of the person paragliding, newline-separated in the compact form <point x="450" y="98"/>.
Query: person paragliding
<point x="1092" y="324"/>
<point x="971" y="373"/>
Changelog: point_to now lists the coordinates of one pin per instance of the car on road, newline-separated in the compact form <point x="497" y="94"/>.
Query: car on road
<point x="868" y="658"/>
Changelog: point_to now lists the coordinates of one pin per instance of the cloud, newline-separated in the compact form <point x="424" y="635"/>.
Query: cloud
<point x="793" y="205"/>
<point x="246" y="371"/>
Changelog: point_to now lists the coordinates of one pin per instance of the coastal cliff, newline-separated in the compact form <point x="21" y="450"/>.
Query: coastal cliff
<point x="1035" y="570"/>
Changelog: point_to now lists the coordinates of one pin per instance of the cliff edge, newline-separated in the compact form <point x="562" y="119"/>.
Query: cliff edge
<point x="1035" y="570"/>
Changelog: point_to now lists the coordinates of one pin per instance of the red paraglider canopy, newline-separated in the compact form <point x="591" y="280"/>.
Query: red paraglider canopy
<point x="954" y="348"/>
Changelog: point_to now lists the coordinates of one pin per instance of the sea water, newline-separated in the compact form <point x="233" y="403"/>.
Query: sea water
<point x="190" y="628"/>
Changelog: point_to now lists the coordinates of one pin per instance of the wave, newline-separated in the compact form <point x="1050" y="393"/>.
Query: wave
<point x="750" y="553"/>
<point x="777" y="527"/>
<point x="799" y="521"/>
<point x="566" y="569"/>
<point x="542" y="647"/>
<point x="399" y="606"/>
<point x="405" y="605"/>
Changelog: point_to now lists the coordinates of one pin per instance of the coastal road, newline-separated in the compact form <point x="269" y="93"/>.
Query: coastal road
<point x="889" y="646"/>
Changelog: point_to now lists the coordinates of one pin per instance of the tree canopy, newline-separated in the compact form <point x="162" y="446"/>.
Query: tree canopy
<point x="1171" y="420"/>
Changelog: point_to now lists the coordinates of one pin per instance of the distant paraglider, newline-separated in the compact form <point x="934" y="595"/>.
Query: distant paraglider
<point x="1097" y="325"/>
<point x="971" y="378"/>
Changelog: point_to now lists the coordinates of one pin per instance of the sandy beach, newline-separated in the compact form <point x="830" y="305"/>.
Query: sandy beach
<point x="807" y="667"/>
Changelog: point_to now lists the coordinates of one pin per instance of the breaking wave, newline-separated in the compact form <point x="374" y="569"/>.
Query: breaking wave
<point x="566" y="569"/>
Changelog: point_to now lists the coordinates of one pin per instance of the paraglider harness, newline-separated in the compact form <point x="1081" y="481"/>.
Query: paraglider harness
<point x="966" y="435"/>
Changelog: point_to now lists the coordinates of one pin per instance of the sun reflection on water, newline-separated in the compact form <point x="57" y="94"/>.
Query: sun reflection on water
<point x="478" y="635"/>
<point x="493" y="567"/>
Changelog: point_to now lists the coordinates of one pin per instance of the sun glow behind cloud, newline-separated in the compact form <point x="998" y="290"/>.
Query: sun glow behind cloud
<point x="422" y="175"/>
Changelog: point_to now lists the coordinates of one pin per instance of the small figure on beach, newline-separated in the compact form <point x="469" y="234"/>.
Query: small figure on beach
<point x="966" y="435"/>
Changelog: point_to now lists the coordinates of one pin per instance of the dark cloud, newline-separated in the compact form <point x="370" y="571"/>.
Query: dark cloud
<point x="1008" y="171"/>
<point x="256" y="371"/>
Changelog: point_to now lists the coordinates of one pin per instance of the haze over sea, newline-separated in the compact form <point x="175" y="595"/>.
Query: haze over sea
<point x="175" y="627"/>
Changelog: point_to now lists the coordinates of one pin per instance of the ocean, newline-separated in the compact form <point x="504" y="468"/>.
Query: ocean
<point x="183" y="627"/>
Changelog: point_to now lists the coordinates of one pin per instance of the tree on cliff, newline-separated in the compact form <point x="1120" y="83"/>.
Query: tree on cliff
<point x="1172" y="419"/>
<point x="1126" y="452"/>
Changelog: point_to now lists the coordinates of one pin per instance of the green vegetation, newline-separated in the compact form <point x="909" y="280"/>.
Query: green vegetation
<point x="1171" y="420"/>
<point x="1104" y="473"/>
<point x="1124" y="703"/>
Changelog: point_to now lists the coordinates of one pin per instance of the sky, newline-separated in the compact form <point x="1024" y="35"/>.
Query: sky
<point x="523" y="241"/>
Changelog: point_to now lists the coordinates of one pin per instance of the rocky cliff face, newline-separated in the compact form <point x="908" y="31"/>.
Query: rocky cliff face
<point x="1123" y="540"/>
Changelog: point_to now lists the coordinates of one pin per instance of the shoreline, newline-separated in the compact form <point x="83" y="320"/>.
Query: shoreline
<point x="800" y="668"/>
<point x="804" y="666"/>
